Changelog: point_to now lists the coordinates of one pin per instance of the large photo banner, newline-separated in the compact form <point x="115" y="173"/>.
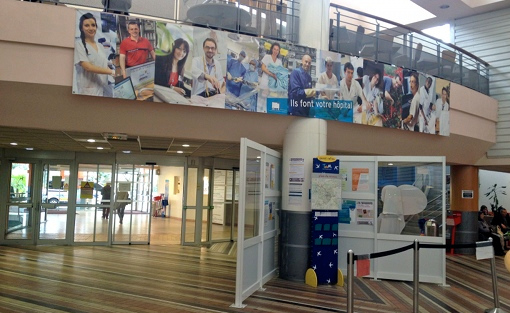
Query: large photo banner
<point x="130" y="58"/>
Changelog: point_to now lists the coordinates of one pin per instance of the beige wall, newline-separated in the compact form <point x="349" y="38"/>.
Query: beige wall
<point x="35" y="86"/>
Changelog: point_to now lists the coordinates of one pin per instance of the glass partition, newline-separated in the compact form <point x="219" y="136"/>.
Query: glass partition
<point x="410" y="198"/>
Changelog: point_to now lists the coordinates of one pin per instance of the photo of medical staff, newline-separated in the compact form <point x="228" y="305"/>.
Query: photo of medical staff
<point x="136" y="58"/>
<point x="328" y="104"/>
<point x="391" y="113"/>
<point x="273" y="84"/>
<point x="411" y="100"/>
<point x="242" y="73"/>
<point x="350" y="88"/>
<point x="442" y="107"/>
<point x="301" y="90"/>
<point x="94" y="52"/>
<point x="372" y="86"/>
<point x="208" y="68"/>
<point x="134" y="49"/>
<point x="173" y="66"/>
<point x="427" y="116"/>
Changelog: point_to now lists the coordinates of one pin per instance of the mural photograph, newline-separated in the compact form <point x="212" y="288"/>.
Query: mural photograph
<point x="140" y="59"/>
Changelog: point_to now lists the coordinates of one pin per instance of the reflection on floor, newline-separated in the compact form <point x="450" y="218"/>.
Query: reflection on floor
<point x="90" y="227"/>
<point x="174" y="278"/>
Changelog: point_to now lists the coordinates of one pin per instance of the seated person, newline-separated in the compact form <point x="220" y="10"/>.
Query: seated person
<point x="502" y="220"/>
<point x="485" y="232"/>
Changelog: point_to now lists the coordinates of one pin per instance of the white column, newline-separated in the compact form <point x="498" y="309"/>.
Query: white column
<point x="314" y="23"/>
<point x="304" y="139"/>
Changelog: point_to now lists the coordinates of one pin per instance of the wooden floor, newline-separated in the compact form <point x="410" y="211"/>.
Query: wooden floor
<point x="173" y="278"/>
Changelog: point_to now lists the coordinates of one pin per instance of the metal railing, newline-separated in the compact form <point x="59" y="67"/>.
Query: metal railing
<point x="356" y="33"/>
<point x="416" y="246"/>
<point x="274" y="19"/>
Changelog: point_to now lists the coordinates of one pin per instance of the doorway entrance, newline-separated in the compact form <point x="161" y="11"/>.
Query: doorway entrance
<point x="37" y="209"/>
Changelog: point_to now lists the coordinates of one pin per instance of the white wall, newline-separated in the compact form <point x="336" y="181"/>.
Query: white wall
<point x="487" y="179"/>
<point x="174" y="200"/>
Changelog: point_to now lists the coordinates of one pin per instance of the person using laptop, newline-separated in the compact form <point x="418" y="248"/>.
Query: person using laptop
<point x="170" y="68"/>
<point x="207" y="74"/>
<point x="134" y="50"/>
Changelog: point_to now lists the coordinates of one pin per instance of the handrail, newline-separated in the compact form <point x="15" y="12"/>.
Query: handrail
<point x="412" y="30"/>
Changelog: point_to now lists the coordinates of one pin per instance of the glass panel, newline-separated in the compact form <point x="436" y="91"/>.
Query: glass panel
<point x="253" y="189"/>
<point x="20" y="209"/>
<point x="133" y="203"/>
<point x="411" y="198"/>
<point x="191" y="202"/>
<point x="55" y="194"/>
<point x="205" y="205"/>
<point x="224" y="225"/>
<point x="92" y="203"/>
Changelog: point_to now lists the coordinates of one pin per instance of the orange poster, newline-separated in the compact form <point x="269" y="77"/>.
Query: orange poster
<point x="360" y="179"/>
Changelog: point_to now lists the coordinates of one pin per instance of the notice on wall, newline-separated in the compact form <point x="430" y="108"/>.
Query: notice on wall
<point x="296" y="180"/>
<point x="87" y="190"/>
<point x="360" y="179"/>
<point x="365" y="212"/>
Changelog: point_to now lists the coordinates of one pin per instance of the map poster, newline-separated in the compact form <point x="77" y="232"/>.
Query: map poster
<point x="326" y="184"/>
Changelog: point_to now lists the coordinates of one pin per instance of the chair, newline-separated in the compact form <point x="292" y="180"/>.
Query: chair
<point x="447" y="65"/>
<point x="385" y="48"/>
<point x="417" y="55"/>
<point x="360" y="33"/>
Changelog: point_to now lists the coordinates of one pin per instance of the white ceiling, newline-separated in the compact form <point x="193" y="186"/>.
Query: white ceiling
<point x="422" y="14"/>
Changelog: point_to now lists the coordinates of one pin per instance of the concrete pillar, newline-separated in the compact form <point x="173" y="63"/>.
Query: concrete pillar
<point x="304" y="140"/>
<point x="314" y="23"/>
<point x="464" y="177"/>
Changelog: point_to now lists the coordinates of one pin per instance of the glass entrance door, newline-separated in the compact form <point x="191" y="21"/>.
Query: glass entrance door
<point x="93" y="194"/>
<point x="37" y="208"/>
<point x="21" y="205"/>
<point x="132" y="197"/>
<point x="197" y="210"/>
<point x="54" y="209"/>
<point x="226" y="202"/>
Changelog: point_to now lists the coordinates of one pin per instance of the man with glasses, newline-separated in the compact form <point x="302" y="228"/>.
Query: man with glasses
<point x="207" y="74"/>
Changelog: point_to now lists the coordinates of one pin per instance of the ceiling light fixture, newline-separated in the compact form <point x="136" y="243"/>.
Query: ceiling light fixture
<point x="29" y="149"/>
<point x="185" y="145"/>
<point x="99" y="148"/>
<point x="115" y="136"/>
<point x="91" y="140"/>
<point x="13" y="143"/>
<point x="126" y="151"/>
<point x="180" y="151"/>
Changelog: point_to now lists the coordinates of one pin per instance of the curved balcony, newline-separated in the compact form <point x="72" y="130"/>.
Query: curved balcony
<point x="275" y="19"/>
<point x="356" y="33"/>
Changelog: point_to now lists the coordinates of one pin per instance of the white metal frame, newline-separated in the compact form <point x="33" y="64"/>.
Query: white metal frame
<point x="256" y="242"/>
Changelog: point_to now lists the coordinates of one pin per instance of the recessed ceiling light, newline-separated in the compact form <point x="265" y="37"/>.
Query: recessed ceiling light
<point x="390" y="164"/>
<point x="258" y="157"/>
<point x="29" y="149"/>
<point x="91" y="140"/>
<point x="180" y="151"/>
<point x="444" y="6"/>
<point x="13" y="143"/>
<point x="185" y="145"/>
<point x="99" y="148"/>
<point x="126" y="151"/>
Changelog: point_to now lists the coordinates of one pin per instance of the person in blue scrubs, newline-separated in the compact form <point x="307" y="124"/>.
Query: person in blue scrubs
<point x="235" y="73"/>
<point x="249" y="87"/>
<point x="301" y="93"/>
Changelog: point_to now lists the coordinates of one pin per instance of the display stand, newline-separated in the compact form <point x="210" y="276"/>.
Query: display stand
<point x="452" y="221"/>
